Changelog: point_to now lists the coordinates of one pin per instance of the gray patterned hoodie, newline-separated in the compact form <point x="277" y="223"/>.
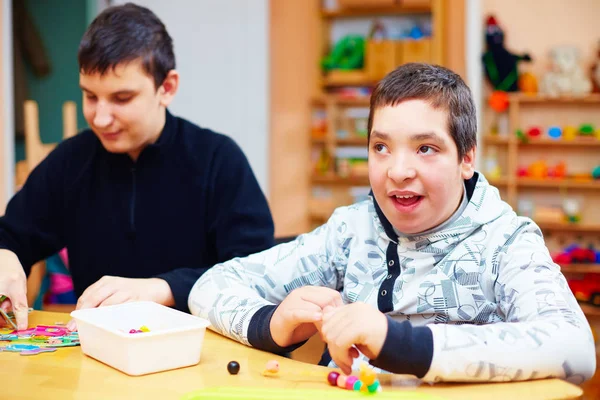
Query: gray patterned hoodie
<point x="476" y="299"/>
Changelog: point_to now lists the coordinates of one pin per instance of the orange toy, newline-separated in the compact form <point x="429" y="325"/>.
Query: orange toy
<point x="538" y="169"/>
<point x="498" y="101"/>
<point x="528" y="83"/>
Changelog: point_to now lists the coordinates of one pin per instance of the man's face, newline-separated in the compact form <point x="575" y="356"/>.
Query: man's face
<point x="414" y="169"/>
<point x="123" y="108"/>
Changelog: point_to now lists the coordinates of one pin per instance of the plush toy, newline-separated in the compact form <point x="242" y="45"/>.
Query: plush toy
<point x="566" y="77"/>
<point x="499" y="63"/>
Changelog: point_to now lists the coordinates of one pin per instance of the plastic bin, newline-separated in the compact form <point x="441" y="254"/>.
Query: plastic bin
<point x="174" y="340"/>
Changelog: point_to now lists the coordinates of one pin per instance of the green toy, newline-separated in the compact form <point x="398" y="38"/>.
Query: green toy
<point x="586" y="130"/>
<point x="347" y="54"/>
<point x="596" y="172"/>
<point x="521" y="136"/>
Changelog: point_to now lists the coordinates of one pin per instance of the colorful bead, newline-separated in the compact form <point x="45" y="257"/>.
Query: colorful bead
<point x="233" y="367"/>
<point x="133" y="331"/>
<point x="350" y="382"/>
<point x="272" y="366"/>
<point x="144" y="328"/>
<point x="357" y="385"/>
<point x="332" y="378"/>
<point x="373" y="388"/>
<point x="341" y="381"/>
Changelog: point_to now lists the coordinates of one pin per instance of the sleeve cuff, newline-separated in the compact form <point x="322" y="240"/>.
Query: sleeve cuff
<point x="181" y="282"/>
<point x="406" y="350"/>
<point x="259" y="332"/>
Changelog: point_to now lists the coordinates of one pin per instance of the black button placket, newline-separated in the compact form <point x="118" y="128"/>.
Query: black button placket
<point x="385" y="299"/>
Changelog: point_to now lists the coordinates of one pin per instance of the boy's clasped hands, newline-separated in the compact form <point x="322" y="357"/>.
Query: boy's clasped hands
<point x="346" y="328"/>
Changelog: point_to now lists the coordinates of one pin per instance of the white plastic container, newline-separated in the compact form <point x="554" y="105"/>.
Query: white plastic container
<point x="174" y="341"/>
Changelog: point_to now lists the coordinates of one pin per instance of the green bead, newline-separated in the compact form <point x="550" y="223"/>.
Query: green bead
<point x="357" y="385"/>
<point x="373" y="388"/>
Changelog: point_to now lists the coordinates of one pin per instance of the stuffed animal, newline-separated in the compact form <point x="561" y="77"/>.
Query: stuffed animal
<point x="500" y="64"/>
<point x="566" y="77"/>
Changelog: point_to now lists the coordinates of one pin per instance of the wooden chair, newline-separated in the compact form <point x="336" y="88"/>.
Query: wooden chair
<point x="35" y="152"/>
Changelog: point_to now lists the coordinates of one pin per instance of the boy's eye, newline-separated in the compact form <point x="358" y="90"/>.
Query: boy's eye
<point x="379" y="148"/>
<point x="90" y="97"/>
<point x="123" y="99"/>
<point x="426" y="150"/>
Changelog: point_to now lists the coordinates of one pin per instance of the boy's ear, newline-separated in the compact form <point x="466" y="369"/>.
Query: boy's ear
<point x="169" y="87"/>
<point x="468" y="164"/>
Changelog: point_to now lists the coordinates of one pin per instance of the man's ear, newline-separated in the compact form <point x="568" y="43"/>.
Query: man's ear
<point x="468" y="163"/>
<point x="169" y="87"/>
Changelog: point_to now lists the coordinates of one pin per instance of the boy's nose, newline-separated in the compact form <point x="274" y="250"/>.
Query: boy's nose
<point x="103" y="116"/>
<point x="401" y="172"/>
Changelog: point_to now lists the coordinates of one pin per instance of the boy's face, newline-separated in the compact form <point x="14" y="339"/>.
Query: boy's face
<point x="414" y="169"/>
<point x="123" y="107"/>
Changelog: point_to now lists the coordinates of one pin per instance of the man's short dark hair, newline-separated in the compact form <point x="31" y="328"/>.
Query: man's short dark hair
<point x="125" y="33"/>
<point x="440" y="87"/>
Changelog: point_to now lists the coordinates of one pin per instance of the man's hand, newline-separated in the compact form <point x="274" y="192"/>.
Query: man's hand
<point x="298" y="317"/>
<point x="351" y="327"/>
<point x="13" y="284"/>
<point x="110" y="290"/>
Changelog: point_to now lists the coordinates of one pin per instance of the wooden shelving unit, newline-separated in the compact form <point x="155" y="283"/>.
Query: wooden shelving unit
<point x="589" y="310"/>
<point x="517" y="150"/>
<point x="581" y="268"/>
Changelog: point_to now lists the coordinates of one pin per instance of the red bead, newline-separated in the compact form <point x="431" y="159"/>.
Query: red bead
<point x="133" y="331"/>
<point x="332" y="378"/>
<point x="350" y="382"/>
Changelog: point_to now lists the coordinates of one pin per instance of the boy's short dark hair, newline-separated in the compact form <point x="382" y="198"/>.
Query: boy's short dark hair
<point x="125" y="33"/>
<point x="439" y="86"/>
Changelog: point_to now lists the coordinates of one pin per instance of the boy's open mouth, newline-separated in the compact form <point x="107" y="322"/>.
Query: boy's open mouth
<point x="407" y="201"/>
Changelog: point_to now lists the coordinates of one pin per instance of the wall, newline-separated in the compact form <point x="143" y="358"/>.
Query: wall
<point x="222" y="55"/>
<point x="61" y="24"/>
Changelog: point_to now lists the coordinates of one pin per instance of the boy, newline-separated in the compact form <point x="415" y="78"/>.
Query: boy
<point x="144" y="201"/>
<point x="434" y="276"/>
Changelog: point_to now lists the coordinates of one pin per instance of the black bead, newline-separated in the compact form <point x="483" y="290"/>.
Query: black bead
<point x="233" y="367"/>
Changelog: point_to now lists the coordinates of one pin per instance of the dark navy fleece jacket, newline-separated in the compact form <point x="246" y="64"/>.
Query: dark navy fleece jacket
<point x="190" y="201"/>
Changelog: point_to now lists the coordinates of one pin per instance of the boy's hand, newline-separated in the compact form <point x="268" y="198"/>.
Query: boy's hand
<point x="354" y="325"/>
<point x="13" y="284"/>
<point x="295" y="318"/>
<point x="111" y="290"/>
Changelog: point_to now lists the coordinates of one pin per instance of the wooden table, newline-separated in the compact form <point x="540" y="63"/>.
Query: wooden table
<point x="68" y="373"/>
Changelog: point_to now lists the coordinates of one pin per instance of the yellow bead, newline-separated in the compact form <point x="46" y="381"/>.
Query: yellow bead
<point x="144" y="328"/>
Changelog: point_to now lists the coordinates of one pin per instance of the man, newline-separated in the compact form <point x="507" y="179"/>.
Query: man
<point x="144" y="201"/>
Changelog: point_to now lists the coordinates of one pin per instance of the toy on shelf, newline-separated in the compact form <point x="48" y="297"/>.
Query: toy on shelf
<point x="492" y="167"/>
<point x="554" y="132"/>
<point x="586" y="288"/>
<point x="347" y="54"/>
<point x="572" y="210"/>
<point x="566" y="77"/>
<point x="570" y="133"/>
<point x="528" y="83"/>
<point x="575" y="254"/>
<point x="596" y="172"/>
<point x="587" y="130"/>
<point x="534" y="132"/>
<point x="500" y="64"/>
<point x="540" y="170"/>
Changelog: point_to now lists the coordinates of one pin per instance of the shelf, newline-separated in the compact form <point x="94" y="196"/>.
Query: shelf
<point x="495" y="139"/>
<point x="589" y="310"/>
<point x="336" y="180"/>
<point x="544" y="142"/>
<point x="581" y="268"/>
<point x="540" y="98"/>
<point x="502" y="181"/>
<point x="362" y="101"/>
<point x="547" y="142"/>
<point x="558" y="183"/>
<point x="574" y="228"/>
<point x="374" y="11"/>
